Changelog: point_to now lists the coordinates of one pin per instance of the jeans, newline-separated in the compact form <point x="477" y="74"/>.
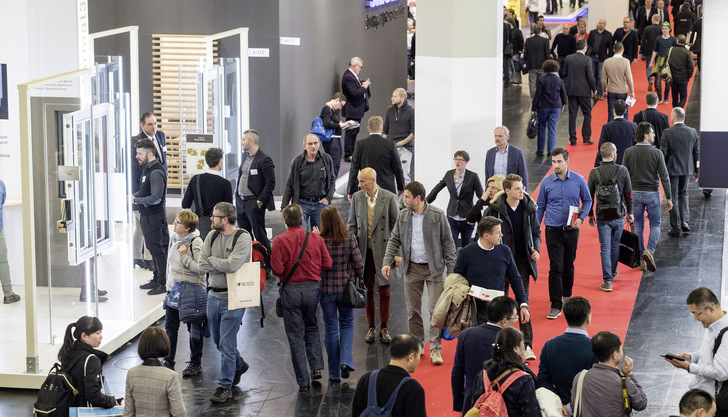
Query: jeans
<point x="648" y="71"/>
<point x="311" y="213"/>
<point x="680" y="213"/>
<point x="171" y="327"/>
<point x="597" y="68"/>
<point x="252" y="219"/>
<point x="658" y="88"/>
<point x="610" y="231"/>
<point x="333" y="148"/>
<point x="611" y="98"/>
<point x="550" y="116"/>
<point x="414" y="283"/>
<point x="339" y="335"/>
<point x="679" y="92"/>
<point x="224" y="327"/>
<point x="156" y="238"/>
<point x="300" y="301"/>
<point x="460" y="228"/>
<point x="561" y="245"/>
<point x="647" y="201"/>
<point x="583" y="102"/>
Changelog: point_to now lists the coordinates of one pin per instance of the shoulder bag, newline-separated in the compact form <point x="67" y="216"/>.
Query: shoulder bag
<point x="279" y="304"/>
<point x="355" y="292"/>
<point x="243" y="285"/>
<point x="721" y="387"/>
<point x="665" y="72"/>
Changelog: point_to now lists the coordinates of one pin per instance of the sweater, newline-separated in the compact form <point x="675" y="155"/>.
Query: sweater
<point x="399" y="122"/>
<point x="617" y="75"/>
<point x="220" y="258"/>
<point x="561" y="359"/>
<point x="644" y="163"/>
<point x="213" y="189"/>
<point x="185" y="268"/>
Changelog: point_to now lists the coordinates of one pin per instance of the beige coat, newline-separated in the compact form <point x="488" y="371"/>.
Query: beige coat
<point x="453" y="310"/>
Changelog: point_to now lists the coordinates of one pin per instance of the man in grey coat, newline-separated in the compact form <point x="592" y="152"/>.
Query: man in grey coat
<point x="680" y="144"/>
<point x="423" y="238"/>
<point x="371" y="218"/>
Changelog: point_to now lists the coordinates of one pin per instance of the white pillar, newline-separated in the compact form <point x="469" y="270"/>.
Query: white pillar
<point x="613" y="11"/>
<point x="459" y="85"/>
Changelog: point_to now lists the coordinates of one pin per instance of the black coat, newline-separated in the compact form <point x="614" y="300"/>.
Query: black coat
<point x="462" y="201"/>
<point x="536" y="52"/>
<point x="605" y="47"/>
<point x="264" y="182"/>
<point x="658" y="120"/>
<point x="90" y="387"/>
<point x="520" y="397"/>
<point x="410" y="399"/>
<point x="357" y="97"/>
<point x="620" y="132"/>
<point x="380" y="154"/>
<point x="579" y="75"/>
<point x="136" y="169"/>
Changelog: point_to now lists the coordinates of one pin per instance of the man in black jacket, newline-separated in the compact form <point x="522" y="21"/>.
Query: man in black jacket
<point x="601" y="42"/>
<point x="399" y="127"/>
<point x="644" y="16"/>
<point x="647" y="45"/>
<point x="150" y="199"/>
<point x="682" y="67"/>
<point x="536" y="52"/>
<point x="357" y="101"/>
<point x="580" y="86"/>
<point x="380" y="154"/>
<point x="628" y="38"/>
<point x="619" y="132"/>
<point x="208" y="189"/>
<point x="651" y="115"/>
<point x="564" y="45"/>
<point x="254" y="193"/>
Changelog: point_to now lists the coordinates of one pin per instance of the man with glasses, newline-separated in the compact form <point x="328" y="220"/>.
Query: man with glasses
<point x="708" y="365"/>
<point x="504" y="158"/>
<point x="357" y="96"/>
<point x="475" y="346"/>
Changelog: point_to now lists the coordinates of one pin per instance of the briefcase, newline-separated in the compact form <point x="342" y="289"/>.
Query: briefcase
<point x="629" y="248"/>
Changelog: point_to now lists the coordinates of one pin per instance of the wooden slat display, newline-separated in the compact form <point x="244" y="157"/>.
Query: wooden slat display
<point x="176" y="61"/>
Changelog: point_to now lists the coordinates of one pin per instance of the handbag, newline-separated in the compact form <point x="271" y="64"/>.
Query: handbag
<point x="244" y="285"/>
<point x="355" y="294"/>
<point x="665" y="72"/>
<point x="192" y="295"/>
<point x="532" y="128"/>
<point x="279" y="303"/>
<point x="318" y="129"/>
<point x="629" y="248"/>
<point x="172" y="297"/>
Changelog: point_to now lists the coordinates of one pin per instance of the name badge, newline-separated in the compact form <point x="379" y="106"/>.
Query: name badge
<point x="164" y="149"/>
<point x="253" y="171"/>
<point x="144" y="178"/>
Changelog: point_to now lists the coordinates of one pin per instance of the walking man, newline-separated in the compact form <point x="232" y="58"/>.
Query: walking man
<point x="601" y="42"/>
<point x="399" y="127"/>
<point x="580" y="86"/>
<point x="617" y="80"/>
<point x="682" y="67"/>
<point x="656" y="118"/>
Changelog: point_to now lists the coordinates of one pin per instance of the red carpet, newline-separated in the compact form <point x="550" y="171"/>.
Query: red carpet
<point x="610" y="311"/>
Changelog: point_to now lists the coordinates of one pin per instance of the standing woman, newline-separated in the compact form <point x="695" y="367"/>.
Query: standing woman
<point x="547" y="103"/>
<point x="331" y="121"/>
<point x="152" y="389"/>
<point x="659" y="55"/>
<point x="462" y="184"/>
<point x="338" y="319"/>
<point x="83" y="362"/>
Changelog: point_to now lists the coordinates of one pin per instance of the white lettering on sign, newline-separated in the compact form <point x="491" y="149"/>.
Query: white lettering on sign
<point x="84" y="52"/>
<point x="259" y="52"/>
<point x="290" y="41"/>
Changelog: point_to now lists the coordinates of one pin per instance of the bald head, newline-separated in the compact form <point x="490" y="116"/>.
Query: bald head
<point x="368" y="181"/>
<point x="368" y="173"/>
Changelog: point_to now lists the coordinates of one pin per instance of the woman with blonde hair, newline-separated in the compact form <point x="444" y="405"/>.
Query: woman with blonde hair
<point x="493" y="186"/>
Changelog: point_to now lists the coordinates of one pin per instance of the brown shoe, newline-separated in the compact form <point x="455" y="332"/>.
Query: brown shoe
<point x="384" y="336"/>
<point x="649" y="86"/>
<point x="371" y="335"/>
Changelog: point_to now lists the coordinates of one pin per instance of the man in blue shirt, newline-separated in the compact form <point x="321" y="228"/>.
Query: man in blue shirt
<point x="563" y="203"/>
<point x="9" y="295"/>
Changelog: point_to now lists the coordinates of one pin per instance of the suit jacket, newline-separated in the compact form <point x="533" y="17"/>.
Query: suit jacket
<point x="550" y="93"/>
<point x="475" y="346"/>
<point x="262" y="182"/>
<point x="516" y="164"/>
<point x="620" y="132"/>
<point x="665" y="14"/>
<point x="153" y="391"/>
<point x="536" y="52"/>
<point x="658" y="120"/>
<point x="384" y="217"/>
<point x="605" y="47"/>
<point x="461" y="200"/>
<point x="136" y="169"/>
<point x="439" y="246"/>
<point x="643" y="20"/>
<point x="681" y="146"/>
<point x="380" y="154"/>
<point x="647" y="39"/>
<point x="357" y="97"/>
<point x="561" y="359"/>
<point x="579" y="75"/>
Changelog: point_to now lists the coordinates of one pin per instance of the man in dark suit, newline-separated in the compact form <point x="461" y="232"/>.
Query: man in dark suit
<point x="475" y="346"/>
<point x="619" y="131"/>
<point x="601" y="41"/>
<point x="661" y="11"/>
<point x="564" y="356"/>
<point x="536" y="52"/>
<point x="504" y="158"/>
<point x="680" y="144"/>
<point x="148" y="125"/>
<point x="254" y="191"/>
<point x="380" y="154"/>
<point x="357" y="102"/>
<point x="651" y="115"/>
<point x="580" y="86"/>
<point x="644" y="16"/>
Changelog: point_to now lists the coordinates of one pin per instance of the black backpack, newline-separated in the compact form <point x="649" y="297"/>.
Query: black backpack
<point x="609" y="198"/>
<point x="57" y="393"/>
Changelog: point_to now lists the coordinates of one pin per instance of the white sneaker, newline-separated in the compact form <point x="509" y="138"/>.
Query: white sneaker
<point x="436" y="357"/>
<point x="530" y="356"/>
<point x="337" y="195"/>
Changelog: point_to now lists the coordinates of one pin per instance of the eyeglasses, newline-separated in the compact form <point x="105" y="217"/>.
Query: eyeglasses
<point x="697" y="314"/>
<point x="512" y="318"/>
<point x="215" y="215"/>
<point x="458" y="160"/>
<point x="176" y="221"/>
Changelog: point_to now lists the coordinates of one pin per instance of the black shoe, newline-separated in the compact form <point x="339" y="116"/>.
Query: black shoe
<point x="588" y="142"/>
<point x="572" y="142"/>
<point x="191" y="369"/>
<point x="221" y="395"/>
<point x="685" y="228"/>
<point x="548" y="154"/>
<point x="240" y="372"/>
<point x="139" y="263"/>
<point x="345" y="371"/>
<point x="316" y="374"/>
<point x="304" y="388"/>
<point x="159" y="289"/>
<point x="12" y="298"/>
<point x="333" y="382"/>
<point x="347" y="159"/>
<point x="148" y="286"/>
<point x="539" y="153"/>
<point x="101" y="292"/>
<point x="168" y="364"/>
<point x="93" y="299"/>
<point x="674" y="233"/>
<point x="708" y="193"/>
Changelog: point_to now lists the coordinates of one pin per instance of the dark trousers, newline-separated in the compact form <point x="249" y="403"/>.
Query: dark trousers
<point x="252" y="219"/>
<point x="524" y="270"/>
<point x="171" y="327"/>
<point x="300" y="303"/>
<point x="679" y="92"/>
<point x="462" y="229"/>
<point x="561" y="245"/>
<point x="680" y="213"/>
<point x="611" y="98"/>
<point x="370" y="281"/>
<point x="350" y="139"/>
<point x="156" y="237"/>
<point x="333" y="148"/>
<point x="583" y="103"/>
<point x="658" y="88"/>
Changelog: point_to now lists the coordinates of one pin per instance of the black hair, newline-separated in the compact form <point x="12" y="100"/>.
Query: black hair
<point x="416" y="189"/>
<point x="500" y="308"/>
<point x="503" y="349"/>
<point x="487" y="224"/>
<point x="643" y="129"/>
<point x="145" y="144"/>
<point x="620" y="107"/>
<point x="576" y="310"/>
<point x="213" y="157"/>
<point x="153" y="343"/>
<point x="694" y="400"/>
<point x="85" y="324"/>
<point x="561" y="151"/>
<point x="702" y="297"/>
<point x="604" y="344"/>
<point x="403" y="345"/>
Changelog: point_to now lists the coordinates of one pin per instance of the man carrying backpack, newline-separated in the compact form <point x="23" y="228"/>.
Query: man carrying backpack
<point x="393" y="381"/>
<point x="613" y="188"/>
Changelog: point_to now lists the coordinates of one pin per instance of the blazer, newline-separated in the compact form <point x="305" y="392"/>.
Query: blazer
<point x="136" y="169"/>
<point x="681" y="146"/>
<point x="658" y="120"/>
<point x="536" y="52"/>
<point x="620" y="132"/>
<point x="293" y="185"/>
<point x="665" y="14"/>
<point x="461" y="200"/>
<point x="643" y="20"/>
<point x="153" y="390"/>
<point x="550" y="93"/>
<point x="380" y="154"/>
<point x="605" y="47"/>
<point x="262" y="182"/>
<point x="516" y="164"/>
<point x="579" y="75"/>
<point x="647" y="39"/>
<point x="385" y="215"/>
<point x="357" y="97"/>
<point x="474" y="346"/>
<point x="439" y="246"/>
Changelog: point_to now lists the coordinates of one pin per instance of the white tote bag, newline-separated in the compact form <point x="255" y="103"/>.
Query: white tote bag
<point x="244" y="285"/>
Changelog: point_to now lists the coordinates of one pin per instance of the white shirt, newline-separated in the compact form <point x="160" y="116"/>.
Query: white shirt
<point x="702" y="364"/>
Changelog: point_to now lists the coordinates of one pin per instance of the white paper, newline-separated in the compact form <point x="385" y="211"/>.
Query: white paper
<point x="630" y="101"/>
<point x="483" y="293"/>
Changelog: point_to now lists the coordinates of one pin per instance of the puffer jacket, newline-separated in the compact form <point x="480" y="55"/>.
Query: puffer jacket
<point x="453" y="310"/>
<point x="185" y="268"/>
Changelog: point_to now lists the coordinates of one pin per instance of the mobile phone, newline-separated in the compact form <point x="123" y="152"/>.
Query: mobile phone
<point x="393" y="264"/>
<point x="671" y="356"/>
